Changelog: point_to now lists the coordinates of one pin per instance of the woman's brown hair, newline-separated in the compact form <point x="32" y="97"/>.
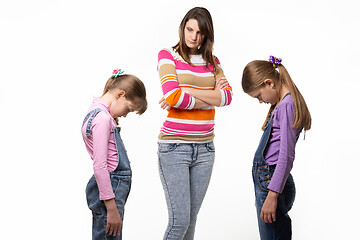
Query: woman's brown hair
<point x="203" y="17"/>
<point x="134" y="90"/>
<point x="254" y="75"/>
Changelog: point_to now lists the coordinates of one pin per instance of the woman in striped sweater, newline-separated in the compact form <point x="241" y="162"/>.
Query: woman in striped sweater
<point x="193" y="83"/>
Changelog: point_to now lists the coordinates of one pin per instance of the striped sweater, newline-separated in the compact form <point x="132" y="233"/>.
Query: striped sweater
<point x="183" y="122"/>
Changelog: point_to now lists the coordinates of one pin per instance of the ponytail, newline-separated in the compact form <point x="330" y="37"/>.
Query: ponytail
<point x="302" y="116"/>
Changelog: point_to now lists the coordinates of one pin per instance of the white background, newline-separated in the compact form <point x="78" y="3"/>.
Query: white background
<point x="56" y="55"/>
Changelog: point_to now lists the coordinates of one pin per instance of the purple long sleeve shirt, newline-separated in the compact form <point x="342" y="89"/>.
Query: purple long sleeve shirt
<point x="281" y="149"/>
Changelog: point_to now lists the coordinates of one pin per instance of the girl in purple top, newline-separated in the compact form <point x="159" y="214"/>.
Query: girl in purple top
<point x="269" y="82"/>
<point x="109" y="187"/>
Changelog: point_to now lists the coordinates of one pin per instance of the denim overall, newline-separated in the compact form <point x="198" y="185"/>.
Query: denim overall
<point x="262" y="174"/>
<point x="120" y="182"/>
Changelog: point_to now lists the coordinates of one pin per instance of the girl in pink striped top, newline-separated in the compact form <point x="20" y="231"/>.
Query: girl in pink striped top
<point x="193" y="83"/>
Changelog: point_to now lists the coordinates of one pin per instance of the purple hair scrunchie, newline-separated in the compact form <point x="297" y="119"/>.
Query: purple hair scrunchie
<point x="275" y="61"/>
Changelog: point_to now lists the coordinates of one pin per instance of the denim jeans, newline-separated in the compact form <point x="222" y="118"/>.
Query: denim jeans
<point x="121" y="186"/>
<point x="185" y="171"/>
<point x="281" y="228"/>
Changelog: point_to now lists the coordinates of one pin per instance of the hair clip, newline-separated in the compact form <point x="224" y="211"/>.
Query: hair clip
<point x="116" y="73"/>
<point x="275" y="61"/>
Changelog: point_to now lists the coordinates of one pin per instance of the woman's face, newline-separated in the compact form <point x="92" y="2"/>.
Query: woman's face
<point x="193" y="37"/>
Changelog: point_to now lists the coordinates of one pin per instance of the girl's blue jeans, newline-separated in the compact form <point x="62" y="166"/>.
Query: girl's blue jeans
<point x="281" y="228"/>
<point x="185" y="171"/>
<point x="121" y="185"/>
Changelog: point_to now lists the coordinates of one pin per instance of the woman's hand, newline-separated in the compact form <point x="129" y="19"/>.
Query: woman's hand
<point x="163" y="104"/>
<point x="221" y="84"/>
<point x="268" y="211"/>
<point x="113" y="220"/>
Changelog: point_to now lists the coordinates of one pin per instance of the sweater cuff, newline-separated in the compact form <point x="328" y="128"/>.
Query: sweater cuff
<point x="192" y="103"/>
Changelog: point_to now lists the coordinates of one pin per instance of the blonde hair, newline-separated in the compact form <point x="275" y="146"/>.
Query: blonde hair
<point x="253" y="78"/>
<point x="134" y="90"/>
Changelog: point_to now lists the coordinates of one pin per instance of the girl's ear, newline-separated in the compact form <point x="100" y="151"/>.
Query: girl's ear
<point x="269" y="82"/>
<point x="119" y="93"/>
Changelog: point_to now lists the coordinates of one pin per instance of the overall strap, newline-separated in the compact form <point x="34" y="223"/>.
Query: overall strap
<point x="265" y="137"/>
<point x="123" y="166"/>
<point x="267" y="134"/>
<point x="90" y="115"/>
<point x="268" y="129"/>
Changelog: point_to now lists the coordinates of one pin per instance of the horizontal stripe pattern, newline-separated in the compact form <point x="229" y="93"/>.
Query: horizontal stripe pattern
<point x="185" y="127"/>
<point x="175" y="73"/>
<point x="226" y="94"/>
<point x="171" y="131"/>
<point x="195" y="114"/>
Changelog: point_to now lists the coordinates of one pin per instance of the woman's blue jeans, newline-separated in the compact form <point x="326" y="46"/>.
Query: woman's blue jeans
<point x="185" y="171"/>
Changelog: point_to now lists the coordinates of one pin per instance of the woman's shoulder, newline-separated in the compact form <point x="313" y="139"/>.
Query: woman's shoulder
<point x="165" y="56"/>
<point x="217" y="61"/>
<point x="168" y="51"/>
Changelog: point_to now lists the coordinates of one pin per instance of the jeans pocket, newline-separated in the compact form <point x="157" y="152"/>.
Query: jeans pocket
<point x="263" y="176"/>
<point x="167" y="147"/>
<point x="210" y="146"/>
<point x="92" y="196"/>
<point x="289" y="192"/>
<point x="121" y="186"/>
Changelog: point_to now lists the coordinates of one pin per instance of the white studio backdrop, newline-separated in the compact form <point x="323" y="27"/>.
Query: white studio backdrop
<point x="56" y="55"/>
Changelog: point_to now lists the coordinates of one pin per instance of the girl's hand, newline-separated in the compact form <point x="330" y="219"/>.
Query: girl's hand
<point x="221" y="84"/>
<point x="113" y="220"/>
<point x="163" y="104"/>
<point x="268" y="211"/>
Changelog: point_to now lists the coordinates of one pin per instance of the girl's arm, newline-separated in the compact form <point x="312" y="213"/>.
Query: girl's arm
<point x="113" y="220"/>
<point x="268" y="211"/>
<point x="288" y="138"/>
<point x="101" y="130"/>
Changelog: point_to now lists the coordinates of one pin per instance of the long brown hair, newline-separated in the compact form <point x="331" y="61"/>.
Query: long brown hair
<point x="134" y="90"/>
<point x="203" y="17"/>
<point x="253" y="78"/>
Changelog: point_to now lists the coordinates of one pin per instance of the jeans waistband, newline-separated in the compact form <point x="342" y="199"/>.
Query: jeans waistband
<point x="121" y="172"/>
<point x="259" y="161"/>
